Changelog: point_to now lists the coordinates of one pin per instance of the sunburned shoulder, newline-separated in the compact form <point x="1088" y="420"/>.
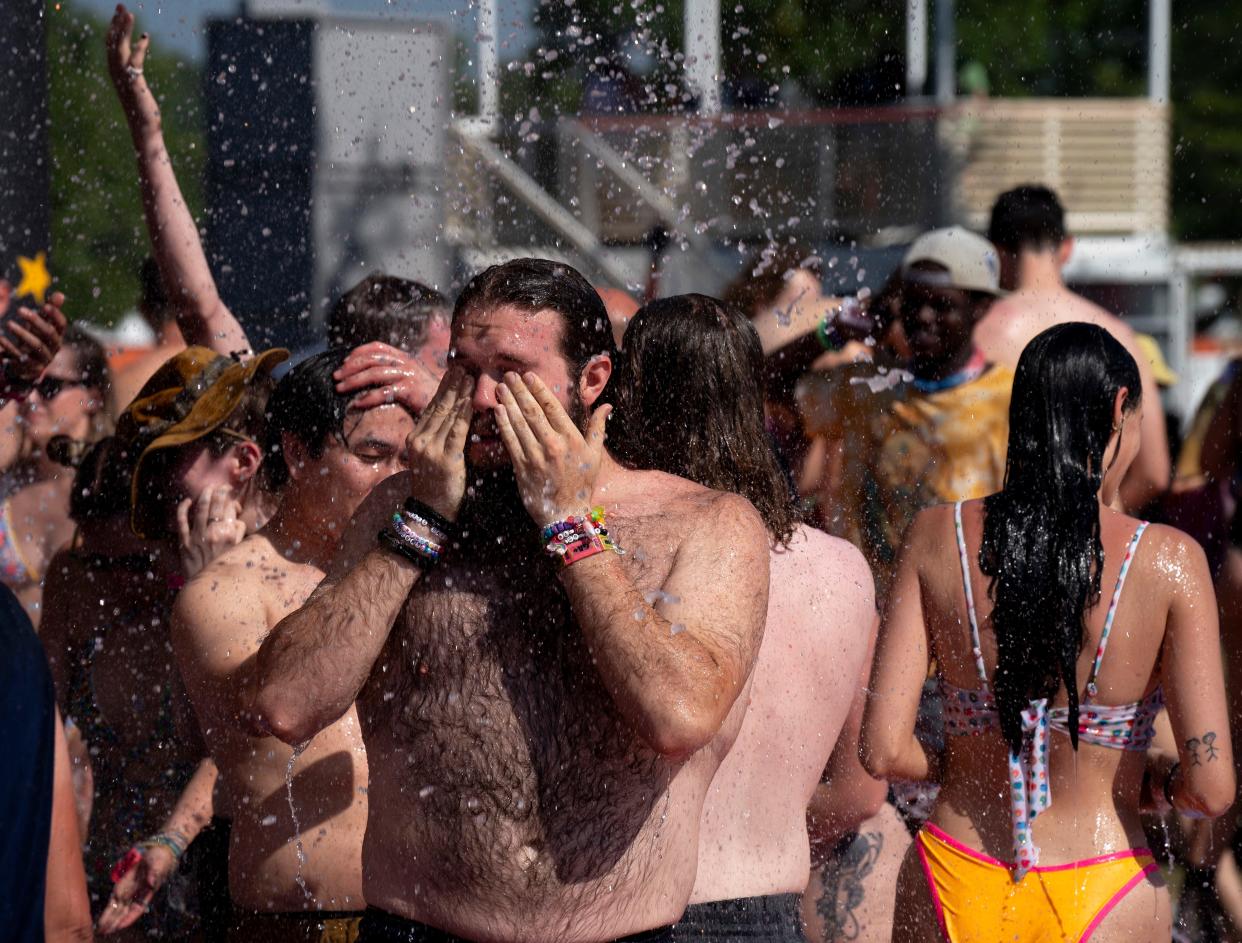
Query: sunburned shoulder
<point x="677" y="505"/>
<point x="828" y="564"/>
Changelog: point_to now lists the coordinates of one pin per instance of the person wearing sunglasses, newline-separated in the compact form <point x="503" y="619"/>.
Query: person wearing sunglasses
<point x="60" y="409"/>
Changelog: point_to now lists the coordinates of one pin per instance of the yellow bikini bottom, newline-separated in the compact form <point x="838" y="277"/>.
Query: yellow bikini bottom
<point x="976" y="901"/>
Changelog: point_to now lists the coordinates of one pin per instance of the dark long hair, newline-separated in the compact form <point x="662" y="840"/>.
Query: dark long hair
<point x="688" y="394"/>
<point x="1041" y="533"/>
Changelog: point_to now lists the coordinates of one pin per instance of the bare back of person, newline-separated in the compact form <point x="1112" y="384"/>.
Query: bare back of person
<point x="1086" y="786"/>
<point x="820" y="622"/>
<point x="510" y="799"/>
<point x="298" y="821"/>
<point x="1013" y="321"/>
<point x="1094" y="791"/>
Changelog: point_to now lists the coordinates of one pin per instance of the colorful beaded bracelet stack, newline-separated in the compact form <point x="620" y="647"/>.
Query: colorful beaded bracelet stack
<point x="173" y="841"/>
<point x="401" y="537"/>
<point x="578" y="537"/>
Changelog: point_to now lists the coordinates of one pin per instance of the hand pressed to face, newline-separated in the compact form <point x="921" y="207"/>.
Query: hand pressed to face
<point x="554" y="463"/>
<point x="437" y="446"/>
<point x="213" y="527"/>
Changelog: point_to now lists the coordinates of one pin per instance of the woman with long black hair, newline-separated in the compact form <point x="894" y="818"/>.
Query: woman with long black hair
<point x="1059" y="628"/>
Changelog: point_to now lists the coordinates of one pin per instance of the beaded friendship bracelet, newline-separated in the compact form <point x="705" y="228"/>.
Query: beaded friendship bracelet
<point x="578" y="537"/>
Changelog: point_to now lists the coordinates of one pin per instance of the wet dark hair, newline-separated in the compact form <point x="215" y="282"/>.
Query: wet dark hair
<point x="307" y="406"/>
<point x="1028" y="217"/>
<point x="688" y="393"/>
<point x="92" y="360"/>
<point x="764" y="277"/>
<point x="535" y="285"/>
<point x="395" y="311"/>
<point x="101" y="484"/>
<point x="1041" y="533"/>
<point x="153" y="302"/>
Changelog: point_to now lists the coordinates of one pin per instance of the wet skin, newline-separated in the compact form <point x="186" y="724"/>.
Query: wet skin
<point x="511" y="795"/>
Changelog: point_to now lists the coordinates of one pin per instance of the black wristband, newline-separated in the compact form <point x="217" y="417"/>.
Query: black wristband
<point x="431" y="516"/>
<point x="1168" y="782"/>
<point x="389" y="541"/>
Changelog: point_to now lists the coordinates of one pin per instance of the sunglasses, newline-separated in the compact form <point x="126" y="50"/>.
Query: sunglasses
<point x="51" y="387"/>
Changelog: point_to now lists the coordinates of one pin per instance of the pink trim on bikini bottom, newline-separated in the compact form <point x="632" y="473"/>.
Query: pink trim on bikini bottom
<point x="1084" y="862"/>
<point x="934" y="890"/>
<point x="1115" y="900"/>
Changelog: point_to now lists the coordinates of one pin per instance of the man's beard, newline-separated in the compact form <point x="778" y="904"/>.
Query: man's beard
<point x="493" y="502"/>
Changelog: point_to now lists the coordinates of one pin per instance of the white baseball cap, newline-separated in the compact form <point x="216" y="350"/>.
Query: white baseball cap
<point x="970" y="261"/>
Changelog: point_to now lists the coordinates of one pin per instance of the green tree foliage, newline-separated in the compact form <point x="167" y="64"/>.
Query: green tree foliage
<point x="98" y="236"/>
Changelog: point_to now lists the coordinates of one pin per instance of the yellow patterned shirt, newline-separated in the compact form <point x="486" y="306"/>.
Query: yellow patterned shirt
<point x="931" y="448"/>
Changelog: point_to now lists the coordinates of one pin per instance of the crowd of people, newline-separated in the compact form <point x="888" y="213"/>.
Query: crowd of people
<point x="540" y="614"/>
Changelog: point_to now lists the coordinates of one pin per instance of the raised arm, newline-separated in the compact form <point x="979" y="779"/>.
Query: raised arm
<point x="311" y="667"/>
<point x="889" y="748"/>
<point x="1194" y="685"/>
<point x="676" y="661"/>
<point x="203" y="317"/>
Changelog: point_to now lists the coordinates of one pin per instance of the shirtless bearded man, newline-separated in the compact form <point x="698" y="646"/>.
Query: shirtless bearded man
<point x="540" y="735"/>
<point x="295" y="855"/>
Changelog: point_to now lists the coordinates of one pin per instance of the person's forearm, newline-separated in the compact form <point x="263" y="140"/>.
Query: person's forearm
<point x="201" y="314"/>
<point x="67" y="911"/>
<point x="313" y="664"/>
<point x="194" y="806"/>
<point x="664" y="681"/>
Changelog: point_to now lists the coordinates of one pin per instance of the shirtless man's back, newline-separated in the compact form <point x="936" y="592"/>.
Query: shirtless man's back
<point x="541" y="734"/>
<point x="701" y="415"/>
<point x="1028" y="228"/>
<point x="820" y="625"/>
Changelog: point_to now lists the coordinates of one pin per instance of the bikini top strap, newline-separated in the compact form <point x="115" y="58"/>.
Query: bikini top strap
<point x="975" y="648"/>
<point x="1112" y="608"/>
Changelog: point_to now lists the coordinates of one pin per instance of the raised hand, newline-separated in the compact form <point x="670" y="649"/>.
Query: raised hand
<point x="133" y="892"/>
<point x="388" y="375"/>
<point x="30" y="337"/>
<point x="437" y="446"/>
<point x="214" y="526"/>
<point x="555" y="464"/>
<point x="125" y="61"/>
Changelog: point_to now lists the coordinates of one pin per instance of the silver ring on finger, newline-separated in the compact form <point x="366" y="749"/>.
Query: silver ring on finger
<point x="132" y="72"/>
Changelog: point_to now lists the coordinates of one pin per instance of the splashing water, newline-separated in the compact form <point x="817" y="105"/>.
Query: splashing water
<point x="293" y="814"/>
<point x="883" y="381"/>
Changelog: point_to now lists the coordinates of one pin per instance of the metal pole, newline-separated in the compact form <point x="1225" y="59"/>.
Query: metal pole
<point x="1159" y="36"/>
<point x="489" y="64"/>
<point x="916" y="47"/>
<point x="946" y="52"/>
<point x="702" y="22"/>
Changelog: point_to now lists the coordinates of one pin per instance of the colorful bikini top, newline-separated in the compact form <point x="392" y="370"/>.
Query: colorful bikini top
<point x="14" y="571"/>
<point x="1118" y="726"/>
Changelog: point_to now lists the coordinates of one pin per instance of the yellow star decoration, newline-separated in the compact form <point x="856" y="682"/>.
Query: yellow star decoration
<point x="35" y="279"/>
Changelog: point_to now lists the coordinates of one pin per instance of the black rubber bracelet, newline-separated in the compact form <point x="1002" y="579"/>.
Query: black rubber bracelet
<point x="1168" y="782"/>
<point x="389" y="541"/>
<point x="431" y="516"/>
